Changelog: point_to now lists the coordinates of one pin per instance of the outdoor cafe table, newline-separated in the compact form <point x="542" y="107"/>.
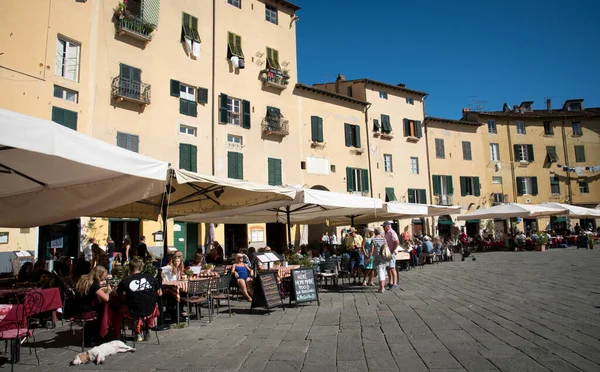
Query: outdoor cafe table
<point x="51" y="300"/>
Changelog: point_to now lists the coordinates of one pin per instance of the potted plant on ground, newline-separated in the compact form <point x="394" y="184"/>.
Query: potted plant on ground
<point x="542" y="244"/>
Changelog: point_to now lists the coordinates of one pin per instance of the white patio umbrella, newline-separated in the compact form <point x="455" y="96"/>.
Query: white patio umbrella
<point x="510" y="210"/>
<point x="308" y="207"/>
<point x="50" y="173"/>
<point x="574" y="211"/>
<point x="398" y="211"/>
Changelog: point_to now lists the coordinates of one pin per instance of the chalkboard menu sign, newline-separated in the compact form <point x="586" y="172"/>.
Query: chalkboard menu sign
<point x="304" y="288"/>
<point x="266" y="292"/>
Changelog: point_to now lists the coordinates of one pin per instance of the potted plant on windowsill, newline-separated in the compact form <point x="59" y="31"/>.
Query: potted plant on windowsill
<point x="542" y="244"/>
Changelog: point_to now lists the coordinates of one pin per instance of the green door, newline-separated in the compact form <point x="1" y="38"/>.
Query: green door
<point x="191" y="241"/>
<point x="179" y="236"/>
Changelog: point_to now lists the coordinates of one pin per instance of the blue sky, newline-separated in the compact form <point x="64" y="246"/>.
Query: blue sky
<point x="457" y="51"/>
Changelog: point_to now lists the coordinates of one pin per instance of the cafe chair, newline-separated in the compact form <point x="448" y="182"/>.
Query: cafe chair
<point x="142" y="319"/>
<point x="198" y="294"/>
<point x="77" y="316"/>
<point x="220" y="291"/>
<point x="328" y="269"/>
<point x="14" y="330"/>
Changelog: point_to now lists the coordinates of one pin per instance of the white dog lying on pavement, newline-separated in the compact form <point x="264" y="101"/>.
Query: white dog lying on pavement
<point x="99" y="353"/>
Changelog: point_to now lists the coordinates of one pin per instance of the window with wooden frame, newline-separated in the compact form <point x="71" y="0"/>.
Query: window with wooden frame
<point x="188" y="157"/>
<point x="67" y="58"/>
<point x="554" y="185"/>
<point x="524" y="153"/>
<point x="128" y="141"/>
<point x="271" y="13"/>
<point x="189" y="26"/>
<point x="579" y="154"/>
<point x="413" y="128"/>
<point x="417" y="196"/>
<point x="466" y="149"/>
<point x="470" y="186"/>
<point x="234" y="111"/>
<point x="357" y="179"/>
<point x="236" y="3"/>
<point x="387" y="163"/>
<point x="235" y="165"/>
<point x="273" y="59"/>
<point x="386" y="126"/>
<point x="64" y="117"/>
<point x="352" y="135"/>
<point x="440" y="151"/>
<point x="234" y="45"/>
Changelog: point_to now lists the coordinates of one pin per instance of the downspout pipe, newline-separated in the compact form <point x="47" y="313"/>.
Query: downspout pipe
<point x="511" y="154"/>
<point x="429" y="181"/>
<point x="566" y="154"/>
<point x="369" y="148"/>
<point x="212" y="119"/>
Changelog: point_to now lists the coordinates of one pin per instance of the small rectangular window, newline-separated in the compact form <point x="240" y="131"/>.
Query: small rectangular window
<point x="302" y="165"/>
<point x="271" y="13"/>
<point x="186" y="129"/>
<point x="577" y="128"/>
<point x="492" y="126"/>
<point x="233" y="111"/>
<point x="236" y="3"/>
<point x="554" y="185"/>
<point x="466" y="147"/>
<point x="128" y="141"/>
<point x="494" y="152"/>
<point x="414" y="165"/>
<point x="439" y="148"/>
<point x="67" y="59"/>
<point x="497" y="180"/>
<point x="520" y="127"/>
<point x="383" y="94"/>
<point x="410" y="101"/>
<point x="187" y="92"/>
<point x="349" y="91"/>
<point x="579" y="154"/>
<point x="66" y="94"/>
<point x="584" y="187"/>
<point x="234" y="140"/>
<point x="548" y="130"/>
<point x="387" y="162"/>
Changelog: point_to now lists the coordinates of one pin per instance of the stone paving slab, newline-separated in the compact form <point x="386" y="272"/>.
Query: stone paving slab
<point x="506" y="311"/>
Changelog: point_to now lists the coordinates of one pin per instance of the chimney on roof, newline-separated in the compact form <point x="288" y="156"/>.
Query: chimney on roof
<point x="548" y="104"/>
<point x="516" y="108"/>
<point x="340" y="77"/>
<point x="401" y="85"/>
<point x="465" y="110"/>
<point x="505" y="107"/>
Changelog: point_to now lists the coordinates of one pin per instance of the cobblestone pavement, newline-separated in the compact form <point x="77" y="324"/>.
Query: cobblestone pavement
<point x="507" y="311"/>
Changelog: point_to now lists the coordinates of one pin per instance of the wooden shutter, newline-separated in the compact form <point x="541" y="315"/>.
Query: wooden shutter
<point x="376" y="126"/>
<point x="365" y="179"/>
<point x="390" y="195"/>
<point x="192" y="108"/>
<point x="187" y="107"/>
<point x="175" y="88"/>
<point x="70" y="119"/>
<point x="437" y="185"/>
<point x="476" y="187"/>
<point x="449" y="185"/>
<point x="122" y="140"/>
<point x="246" y="121"/>
<point x="419" y="129"/>
<point x="406" y="128"/>
<point x="276" y="59"/>
<point x="194" y="29"/>
<point x="271" y="172"/>
<point x="231" y="164"/>
<point x="423" y="196"/>
<point x="58" y="115"/>
<point x="184" y="156"/>
<point x="516" y="148"/>
<point x="314" y="128"/>
<point x="193" y="158"/>
<point x="202" y="95"/>
<point x="349" y="179"/>
<point x="231" y="43"/>
<point x="551" y="152"/>
<point x="278" y="176"/>
<point x="186" y="24"/>
<point x="134" y="143"/>
<point x="519" y="181"/>
<point x="274" y="170"/>
<point x="240" y="166"/>
<point x="356" y="129"/>
<point x="125" y="72"/>
<point x="136" y="75"/>
<point x="463" y="186"/>
<point x="579" y="154"/>
<point x="534" y="186"/>
<point x="385" y="124"/>
<point x="530" y="156"/>
<point x="411" y="196"/>
<point x="223" y="108"/>
<point x="348" y="134"/>
<point x="320" y="130"/>
<point x="238" y="46"/>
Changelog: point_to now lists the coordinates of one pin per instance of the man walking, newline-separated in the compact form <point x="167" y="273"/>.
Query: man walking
<point x="391" y="238"/>
<point x="142" y="249"/>
<point x="377" y="242"/>
<point x="353" y="245"/>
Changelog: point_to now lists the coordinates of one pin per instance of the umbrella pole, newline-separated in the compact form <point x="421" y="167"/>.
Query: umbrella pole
<point x="351" y="221"/>
<point x="163" y="214"/>
<point x="289" y="227"/>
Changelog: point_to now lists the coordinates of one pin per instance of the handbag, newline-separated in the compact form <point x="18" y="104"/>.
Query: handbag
<point x="385" y="252"/>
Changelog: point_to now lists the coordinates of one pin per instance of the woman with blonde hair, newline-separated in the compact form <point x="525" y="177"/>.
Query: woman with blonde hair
<point x="242" y="273"/>
<point x="174" y="270"/>
<point x="90" y="297"/>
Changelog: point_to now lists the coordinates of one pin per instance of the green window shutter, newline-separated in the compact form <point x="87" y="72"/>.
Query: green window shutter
<point x="122" y="140"/>
<point x="450" y="185"/>
<point x="270" y="58"/>
<point x="437" y="185"/>
<point x="419" y="129"/>
<point x="406" y="128"/>
<point x="136" y="75"/>
<point x="348" y="134"/>
<point x="271" y="170"/>
<point x="58" y="115"/>
<point x="530" y="153"/>
<point x="240" y="166"/>
<point x="202" y="95"/>
<point x="70" y="119"/>
<point x="579" y="154"/>
<point x="534" y="186"/>
<point x="186" y="25"/>
<point x="276" y="59"/>
<point x="184" y="156"/>
<point x="390" y="195"/>
<point x="320" y="130"/>
<point x="194" y="28"/>
<point x="314" y="128"/>
<point x="134" y="143"/>
<point x="231" y="43"/>
<point x="223" y="108"/>
<point x="188" y="107"/>
<point x="193" y="158"/>
<point x="520" y="186"/>
<point x="423" y="196"/>
<point x="246" y="121"/>
<point x="551" y="152"/>
<point x="357" y="134"/>
<point x="193" y="108"/>
<point x="175" y="88"/>
<point x="238" y="46"/>
<point x="231" y="164"/>
<point x="476" y="186"/>
<point x="150" y="11"/>
<point x="516" y="148"/>
<point x="463" y="186"/>
<point x="125" y="73"/>
<point x="365" y="179"/>
<point x="278" y="177"/>
<point x="385" y="124"/>
<point x="411" y="196"/>
<point x="376" y="126"/>
<point x="349" y="179"/>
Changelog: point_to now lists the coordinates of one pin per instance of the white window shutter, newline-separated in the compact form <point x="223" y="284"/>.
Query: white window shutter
<point x="72" y="72"/>
<point x="60" y="57"/>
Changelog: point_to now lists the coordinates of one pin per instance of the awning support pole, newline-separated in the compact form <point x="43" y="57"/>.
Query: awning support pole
<point x="289" y="227"/>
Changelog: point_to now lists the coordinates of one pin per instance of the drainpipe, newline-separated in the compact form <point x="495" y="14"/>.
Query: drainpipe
<point x="212" y="115"/>
<point x="368" y="148"/>
<point x="429" y="181"/>
<point x="566" y="153"/>
<point x="511" y="154"/>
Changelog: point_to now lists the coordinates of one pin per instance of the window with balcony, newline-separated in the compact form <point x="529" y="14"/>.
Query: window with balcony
<point x="128" y="86"/>
<point x="579" y="154"/>
<point x="64" y="117"/>
<point x="387" y="163"/>
<point x="66" y="94"/>
<point x="137" y="19"/>
<point x="128" y="141"/>
<point x="492" y="126"/>
<point x="469" y="186"/>
<point x="417" y="196"/>
<point x="274" y="123"/>
<point x="521" y="127"/>
<point x="494" y="152"/>
<point x="414" y="165"/>
<point x="554" y="185"/>
<point x="188" y="130"/>
<point x="524" y="153"/>
<point x="271" y="13"/>
<point x="548" y="129"/>
<point x="352" y="135"/>
<point x="584" y="187"/>
<point x="443" y="188"/>
<point x="577" y="131"/>
<point x="274" y="76"/>
<point x="466" y="148"/>
<point x="527" y="186"/>
<point x="440" y="152"/>
<point x="357" y="180"/>
<point x="67" y="58"/>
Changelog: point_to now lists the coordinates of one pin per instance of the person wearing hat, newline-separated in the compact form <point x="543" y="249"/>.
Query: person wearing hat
<point x="353" y="245"/>
<point x="391" y="238"/>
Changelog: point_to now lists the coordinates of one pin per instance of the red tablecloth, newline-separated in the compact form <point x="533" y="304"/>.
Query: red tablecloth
<point x="50" y="302"/>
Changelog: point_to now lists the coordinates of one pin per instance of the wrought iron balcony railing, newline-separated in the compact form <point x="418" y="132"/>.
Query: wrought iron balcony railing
<point x="132" y="91"/>
<point x="274" y="126"/>
<point x="444" y="200"/>
<point x="135" y="27"/>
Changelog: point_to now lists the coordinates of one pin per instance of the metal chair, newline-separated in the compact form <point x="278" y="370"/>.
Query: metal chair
<point x="328" y="269"/>
<point x="219" y="290"/>
<point x="198" y="293"/>
<point x="143" y="319"/>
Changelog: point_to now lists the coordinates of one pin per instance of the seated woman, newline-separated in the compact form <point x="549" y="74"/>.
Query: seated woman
<point x="242" y="273"/>
<point x="213" y="258"/>
<point x="174" y="270"/>
<point x="25" y="272"/>
<point x="198" y="259"/>
<point x="89" y="298"/>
